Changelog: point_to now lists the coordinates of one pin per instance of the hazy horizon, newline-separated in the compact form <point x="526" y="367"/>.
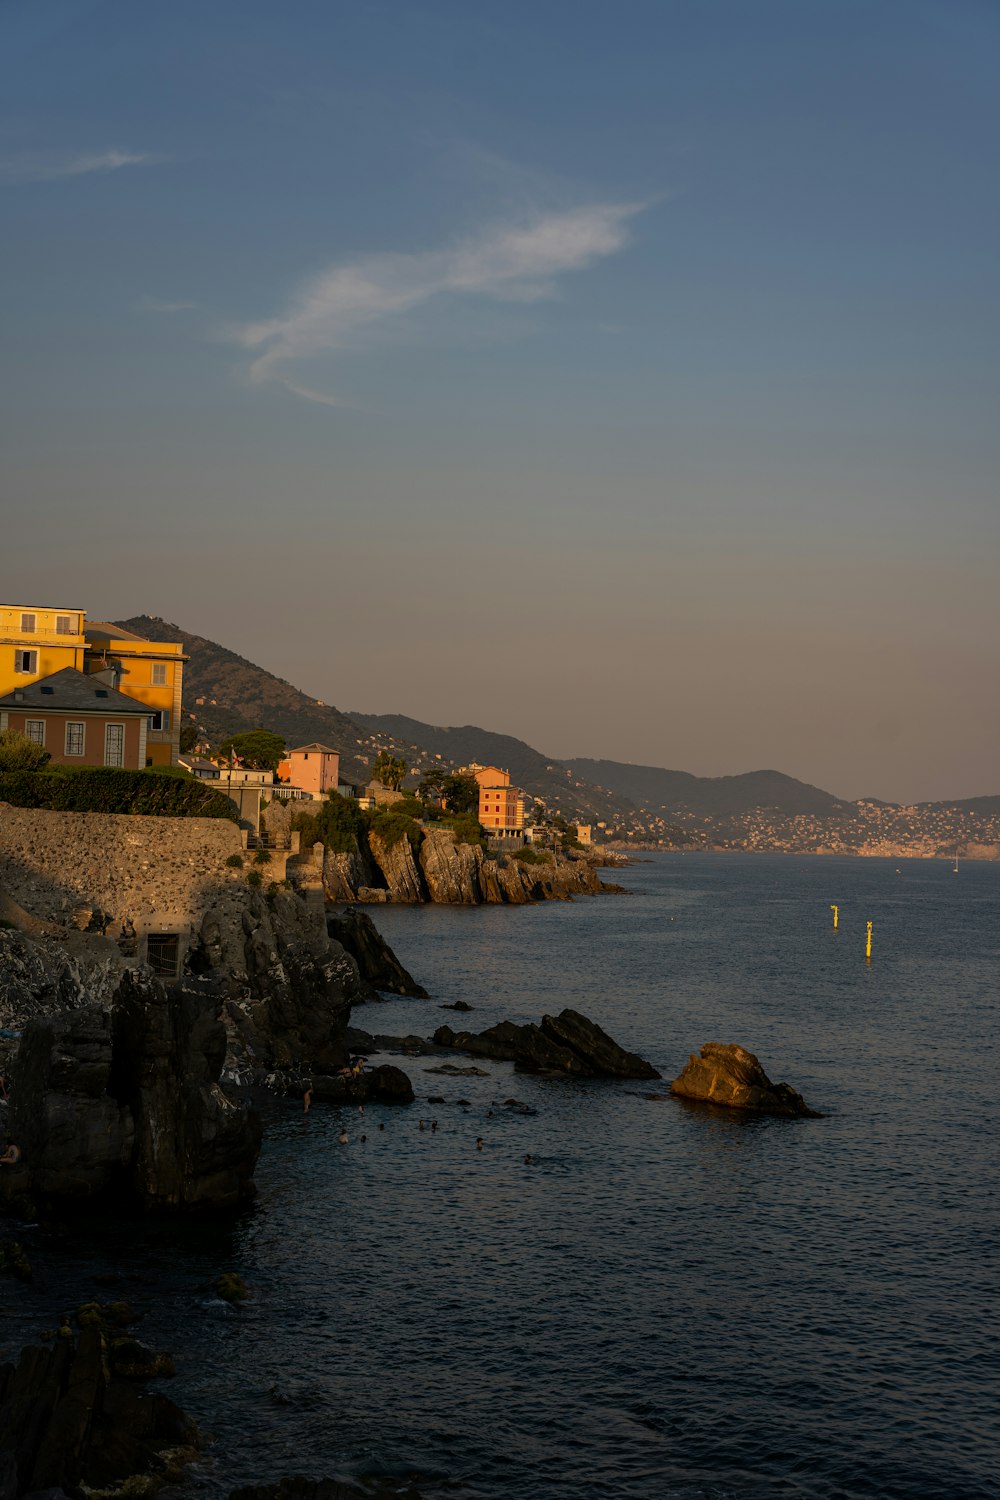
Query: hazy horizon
<point x="620" y="378"/>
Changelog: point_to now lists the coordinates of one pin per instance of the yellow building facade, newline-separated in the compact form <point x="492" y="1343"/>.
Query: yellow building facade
<point x="151" y="672"/>
<point x="36" y="641"/>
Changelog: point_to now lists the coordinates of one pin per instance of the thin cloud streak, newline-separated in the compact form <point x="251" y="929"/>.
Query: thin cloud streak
<point x="508" y="263"/>
<point x="52" y="168"/>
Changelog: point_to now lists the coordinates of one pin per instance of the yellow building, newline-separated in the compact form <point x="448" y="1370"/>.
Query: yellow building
<point x="36" y="641"/>
<point x="151" y="672"/>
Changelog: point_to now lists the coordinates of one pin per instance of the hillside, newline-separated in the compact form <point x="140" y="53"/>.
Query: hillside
<point x="227" y="694"/>
<point x="656" y="789"/>
<point x="558" y="787"/>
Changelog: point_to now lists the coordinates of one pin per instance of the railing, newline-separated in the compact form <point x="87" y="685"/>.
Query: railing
<point x="275" y="841"/>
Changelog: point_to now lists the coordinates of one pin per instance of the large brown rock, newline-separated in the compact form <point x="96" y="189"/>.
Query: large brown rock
<point x="729" y="1075"/>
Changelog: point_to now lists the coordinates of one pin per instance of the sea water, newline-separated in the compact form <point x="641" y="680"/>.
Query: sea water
<point x="670" y="1300"/>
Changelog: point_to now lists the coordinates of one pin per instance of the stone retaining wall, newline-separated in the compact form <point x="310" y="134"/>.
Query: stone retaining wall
<point x="159" y="874"/>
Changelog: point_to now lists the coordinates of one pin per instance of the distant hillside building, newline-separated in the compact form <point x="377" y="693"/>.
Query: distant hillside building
<point x="312" y="768"/>
<point x="501" y="806"/>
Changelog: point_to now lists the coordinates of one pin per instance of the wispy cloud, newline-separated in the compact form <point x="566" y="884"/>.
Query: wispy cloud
<point x="150" y="304"/>
<point x="42" y="167"/>
<point x="511" y="263"/>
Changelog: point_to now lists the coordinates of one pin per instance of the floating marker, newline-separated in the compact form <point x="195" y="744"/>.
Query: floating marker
<point x="868" y="945"/>
<point x="836" y="916"/>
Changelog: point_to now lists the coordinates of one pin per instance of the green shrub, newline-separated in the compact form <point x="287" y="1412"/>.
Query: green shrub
<point x="468" y="830"/>
<point x="338" y="824"/>
<point x="106" y="789"/>
<point x="18" y="753"/>
<point x="392" y="826"/>
<point x="530" y="856"/>
<point x="255" y="879"/>
<point x="262" y="857"/>
<point x="235" y="862"/>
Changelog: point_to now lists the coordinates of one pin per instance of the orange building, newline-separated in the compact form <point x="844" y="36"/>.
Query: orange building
<point x="501" y="806"/>
<point x="313" y="768"/>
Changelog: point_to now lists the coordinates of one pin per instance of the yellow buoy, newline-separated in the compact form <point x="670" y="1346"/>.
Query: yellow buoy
<point x="868" y="945"/>
<point x="836" y="916"/>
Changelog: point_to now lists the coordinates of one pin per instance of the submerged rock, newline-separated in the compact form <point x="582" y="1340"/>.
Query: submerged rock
<point x="729" y="1075"/>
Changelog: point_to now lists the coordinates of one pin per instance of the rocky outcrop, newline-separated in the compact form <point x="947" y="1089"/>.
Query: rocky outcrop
<point x="66" y="1423"/>
<point x="567" y="1043"/>
<point x="289" y="987"/>
<point x="729" y="1075"/>
<point x="449" y="873"/>
<point x="43" y="973"/>
<point x="377" y="964"/>
<point x="194" y="1143"/>
<point x="130" y="1098"/>
<point x="77" y="1139"/>
<point x="384" y="1085"/>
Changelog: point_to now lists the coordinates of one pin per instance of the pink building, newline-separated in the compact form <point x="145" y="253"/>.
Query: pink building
<point x="314" y="768"/>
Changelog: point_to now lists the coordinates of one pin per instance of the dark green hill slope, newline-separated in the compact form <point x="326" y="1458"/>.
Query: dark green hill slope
<point x="237" y="695"/>
<point x="710" y="796"/>
<point x="557" y="786"/>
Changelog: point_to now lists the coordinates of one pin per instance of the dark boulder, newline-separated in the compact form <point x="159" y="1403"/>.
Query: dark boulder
<point x="729" y="1075"/>
<point x="377" y="964"/>
<point x="602" y="1054"/>
<point x="66" y="1423"/>
<point x="567" y="1043"/>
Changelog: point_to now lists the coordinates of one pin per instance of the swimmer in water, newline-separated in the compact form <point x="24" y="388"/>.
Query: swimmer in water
<point x="434" y="1124"/>
<point x="529" y="1160"/>
<point x="343" y="1138"/>
<point x="479" y="1143"/>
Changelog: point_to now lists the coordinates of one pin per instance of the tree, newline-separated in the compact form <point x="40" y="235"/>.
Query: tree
<point x="257" y="749"/>
<point x="461" y="793"/>
<point x="18" y="753"/>
<point x="389" y="770"/>
<point x="189" y="738"/>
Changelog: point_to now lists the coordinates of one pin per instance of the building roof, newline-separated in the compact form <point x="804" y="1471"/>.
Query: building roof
<point x="324" y="749"/>
<point x="75" y="692"/>
<point x="113" y="632"/>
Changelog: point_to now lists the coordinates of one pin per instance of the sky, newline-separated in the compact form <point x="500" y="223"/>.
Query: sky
<point x="620" y="376"/>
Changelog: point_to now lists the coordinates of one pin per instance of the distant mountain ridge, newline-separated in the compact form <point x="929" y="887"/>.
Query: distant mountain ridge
<point x="225" y="693"/>
<point x="653" y="787"/>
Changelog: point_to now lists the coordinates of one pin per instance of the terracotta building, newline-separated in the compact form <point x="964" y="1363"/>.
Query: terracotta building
<point x="313" y="768"/>
<point x="79" y="719"/>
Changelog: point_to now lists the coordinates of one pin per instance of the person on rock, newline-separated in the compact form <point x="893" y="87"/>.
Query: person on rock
<point x="12" y="1154"/>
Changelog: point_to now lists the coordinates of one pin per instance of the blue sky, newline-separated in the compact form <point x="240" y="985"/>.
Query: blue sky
<point x="623" y="377"/>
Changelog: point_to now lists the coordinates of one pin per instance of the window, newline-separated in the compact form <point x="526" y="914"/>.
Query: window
<point x="35" y="730"/>
<point x="26" y="661"/>
<point x="160" y="720"/>
<point x="64" y="625"/>
<point x="114" y="744"/>
<point x="28" y="624"/>
<point x="75" y="737"/>
<point x="162" y="953"/>
<point x="159" y="677"/>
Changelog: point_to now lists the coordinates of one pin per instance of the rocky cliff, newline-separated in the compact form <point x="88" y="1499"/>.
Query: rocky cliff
<point x="129" y="1097"/>
<point x="445" y="872"/>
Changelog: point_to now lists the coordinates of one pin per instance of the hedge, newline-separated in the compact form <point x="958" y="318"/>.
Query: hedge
<point x="106" y="789"/>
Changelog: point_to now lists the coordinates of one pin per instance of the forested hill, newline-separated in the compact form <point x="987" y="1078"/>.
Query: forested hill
<point x="710" y="796"/>
<point x="560" y="788"/>
<point x="237" y="695"/>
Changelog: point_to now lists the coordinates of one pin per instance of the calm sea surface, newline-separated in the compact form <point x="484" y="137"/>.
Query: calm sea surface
<point x="672" y="1301"/>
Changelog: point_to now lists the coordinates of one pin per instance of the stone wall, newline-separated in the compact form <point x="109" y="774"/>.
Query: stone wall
<point x="152" y="871"/>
